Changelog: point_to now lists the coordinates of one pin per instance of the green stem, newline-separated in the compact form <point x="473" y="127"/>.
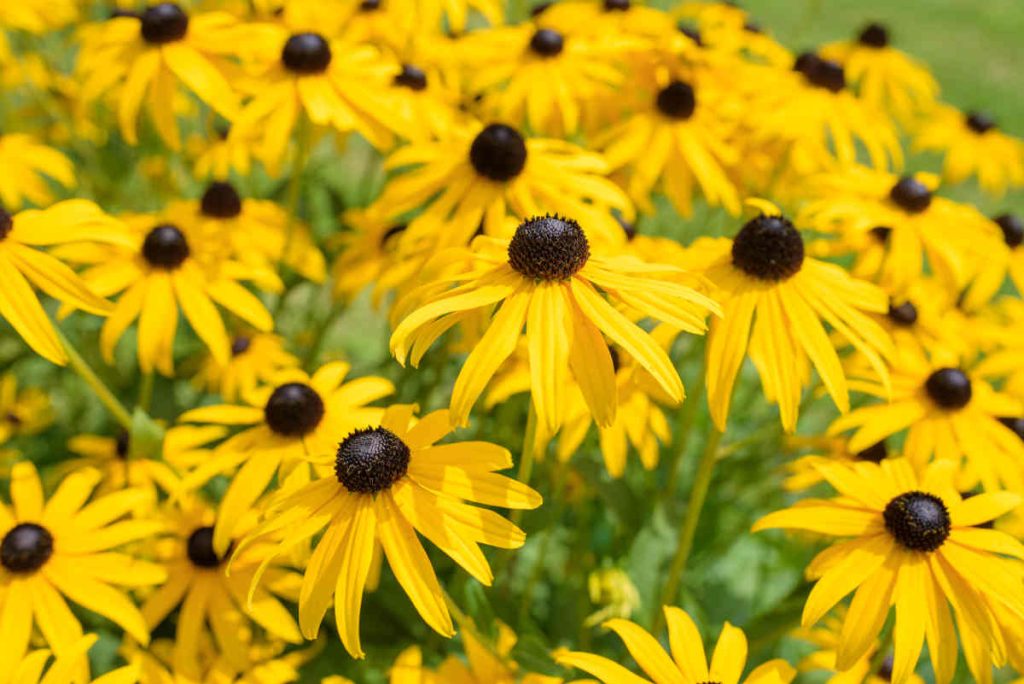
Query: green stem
<point x="549" y="532"/>
<point x="683" y="427"/>
<point x="303" y="140"/>
<point x="78" y="364"/>
<point x="146" y="391"/>
<point x="688" y="530"/>
<point x="527" y="457"/>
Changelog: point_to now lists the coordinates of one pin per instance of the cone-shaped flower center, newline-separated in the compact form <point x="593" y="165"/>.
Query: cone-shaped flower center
<point x="874" y="35"/>
<point x="200" y="549"/>
<point x="1010" y="224"/>
<point x="548" y="248"/>
<point x="498" y="152"/>
<point x="240" y="345"/>
<point x="677" y="100"/>
<point x="26" y="548"/>
<point x="412" y="77"/>
<point x="306" y="53"/>
<point x="768" y="248"/>
<point x="918" y="521"/>
<point x="371" y="460"/>
<point x="121" y="444"/>
<point x="881" y="234"/>
<point x="950" y="388"/>
<point x="165" y="247"/>
<point x="221" y="200"/>
<point x="911" y="195"/>
<point x="547" y="43"/>
<point x="164" y="23"/>
<point x="823" y="73"/>
<point x="980" y="122"/>
<point x="294" y="409"/>
<point x="904" y="315"/>
<point x="6" y="223"/>
<point x="875" y="453"/>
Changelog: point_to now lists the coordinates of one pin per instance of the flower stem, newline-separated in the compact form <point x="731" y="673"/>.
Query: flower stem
<point x="78" y="364"/>
<point x="557" y="491"/>
<point x="146" y="391"/>
<point x="303" y="137"/>
<point x="681" y="432"/>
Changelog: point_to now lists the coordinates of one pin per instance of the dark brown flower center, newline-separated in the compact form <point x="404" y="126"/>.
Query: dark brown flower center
<point x="165" y="247"/>
<point x="547" y="42"/>
<point x="822" y="73"/>
<point x="6" y="223"/>
<point x="881" y="234"/>
<point x="240" y="345"/>
<point x="221" y="200"/>
<point x="26" y="548"/>
<point x="616" y="5"/>
<point x="950" y="388"/>
<point x="293" y="410"/>
<point x="306" y="53"/>
<point x="411" y="77"/>
<point x="122" y="443"/>
<point x="911" y="195"/>
<point x="548" y="248"/>
<point x="677" y="100"/>
<point x="980" y="122"/>
<point x="904" y="315"/>
<point x="498" y="152"/>
<point x="200" y="549"/>
<point x="371" y="460"/>
<point x="1015" y="424"/>
<point x="164" y="23"/>
<point x="874" y="35"/>
<point x="768" y="248"/>
<point x="918" y="521"/>
<point x="875" y="453"/>
<point x="1010" y="224"/>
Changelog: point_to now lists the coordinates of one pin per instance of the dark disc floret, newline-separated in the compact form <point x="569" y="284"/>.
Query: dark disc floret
<point x="200" y="549"/>
<point x="918" y="521"/>
<point x="616" y="5"/>
<point x="677" y="100"/>
<point x="165" y="247"/>
<point x="548" y="248"/>
<point x="294" y="409"/>
<point x="911" y="195"/>
<point x="874" y="35"/>
<point x="768" y="248"/>
<point x="876" y="453"/>
<point x="979" y="122"/>
<point x="240" y="344"/>
<point x="306" y="53"/>
<point x="411" y="77"/>
<point x="823" y="73"/>
<point x="904" y="314"/>
<point x="1016" y="424"/>
<point x="164" y="23"/>
<point x="498" y="152"/>
<point x="1010" y="224"/>
<point x="881" y="234"/>
<point x="121" y="444"/>
<point x="547" y="42"/>
<point x="369" y="5"/>
<point x="26" y="548"/>
<point x="950" y="388"/>
<point x="221" y="200"/>
<point x="371" y="460"/>
<point x="6" y="223"/>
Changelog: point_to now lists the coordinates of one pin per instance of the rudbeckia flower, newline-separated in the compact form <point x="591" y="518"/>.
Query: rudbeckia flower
<point x="66" y="667"/>
<point x="210" y="598"/>
<point x="222" y="152"/>
<point x="802" y="473"/>
<point x="120" y="468"/>
<point x="22" y="413"/>
<point x="1004" y="359"/>
<point x="37" y="16"/>
<point x="26" y="164"/>
<point x="948" y="412"/>
<point x="973" y="145"/>
<point x="456" y="13"/>
<point x="368" y="255"/>
<point x="270" y="665"/>
<point x="144" y="58"/>
<point x="61" y="549"/>
<point x="391" y="480"/>
<point x="911" y="542"/>
<point x="775" y="301"/>
<point x="883" y="76"/>
<point x="687" y="664"/>
<point x="547" y="279"/>
<point x="478" y="175"/>
<point x="256" y="359"/>
<point x="296" y="415"/>
<point x="998" y="263"/>
<point x="21" y="263"/>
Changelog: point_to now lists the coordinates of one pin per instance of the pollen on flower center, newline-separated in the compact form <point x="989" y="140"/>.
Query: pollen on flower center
<point x="911" y="195"/>
<point x="918" y="521"/>
<point x="979" y="122"/>
<point x="306" y="53"/>
<point x="294" y="409"/>
<point x="221" y="200"/>
<point x="547" y="43"/>
<point x="498" y="152"/>
<point x="26" y="548"/>
<point x="200" y="549"/>
<point x="6" y="223"/>
<point x="823" y="73"/>
<point x="165" y="247"/>
<point x="768" y="248"/>
<point x="548" y="248"/>
<point x="950" y="388"/>
<point x="677" y="100"/>
<point x="874" y="35"/>
<point x="411" y="77"/>
<point x="164" y="23"/>
<point x="1010" y="224"/>
<point x="904" y="314"/>
<point x="371" y="460"/>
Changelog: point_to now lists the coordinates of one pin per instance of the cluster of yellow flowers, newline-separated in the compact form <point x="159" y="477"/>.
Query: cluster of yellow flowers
<point x="516" y="172"/>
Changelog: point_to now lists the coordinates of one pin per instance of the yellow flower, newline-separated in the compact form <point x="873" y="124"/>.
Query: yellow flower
<point x="389" y="481"/>
<point x="547" y="279"/>
<point x="22" y="413"/>
<point x="456" y="13"/>
<point x="119" y="466"/>
<point x="217" y="155"/>
<point x="20" y="263"/>
<point x="915" y="544"/>
<point x="803" y="471"/>
<point x="26" y="165"/>
<point x="256" y="359"/>
<point x="61" y="549"/>
<point x="688" y="663"/>
<point x="269" y="665"/>
<point x="368" y="255"/>
<point x="66" y="667"/>
<point x="143" y="58"/>
<point x="37" y="16"/>
<point x="296" y="416"/>
<point x="998" y="263"/>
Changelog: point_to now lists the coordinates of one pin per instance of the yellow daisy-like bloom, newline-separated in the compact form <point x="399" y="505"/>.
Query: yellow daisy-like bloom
<point x="211" y="598"/>
<point x="61" y="549"/>
<point x="66" y="667"/>
<point x="687" y="663"/>
<point x="802" y="472"/>
<point x="1003" y="360"/>
<point x="256" y="359"/>
<point x="368" y="255"/>
<point x="391" y="480"/>
<point x="884" y="76"/>
<point x="973" y="146"/>
<point x="916" y="545"/>
<point x="22" y="413"/>
<point x="21" y="263"/>
<point x="119" y="465"/>
<point x="948" y="414"/>
<point x="547" y="279"/>
<point x="998" y="263"/>
<point x="478" y="175"/>
<point x="38" y="16"/>
<point x="27" y="164"/>
<point x="678" y="141"/>
<point x="144" y="58"/>
<point x="456" y="13"/>
<point x="775" y="302"/>
<point x="171" y="264"/>
<point x="269" y="665"/>
<point x="296" y="416"/>
<point x="221" y="153"/>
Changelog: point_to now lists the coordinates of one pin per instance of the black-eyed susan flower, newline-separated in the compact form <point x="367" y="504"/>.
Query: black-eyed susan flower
<point x="998" y="264"/>
<point x="22" y="263"/>
<point x="222" y="152"/>
<point x="1002" y="361"/>
<point x="211" y="599"/>
<point x="27" y="167"/>
<point x="38" y="16"/>
<point x="547" y="279"/>
<point x="369" y="256"/>
<point x="884" y="76"/>
<point x="120" y="468"/>
<point x="456" y="13"/>
<point x="776" y="301"/>
<point x="687" y="663"/>
<point x="63" y="549"/>
<point x="391" y="480"/>
<point x="293" y="417"/>
<point x="24" y="412"/>
<point x="948" y="412"/>
<point x="256" y="359"/>
<point x="36" y="668"/>
<point x="911" y="542"/>
<point x="802" y="473"/>
<point x="145" y="58"/>
<point x="270" y="664"/>
<point x="973" y="146"/>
